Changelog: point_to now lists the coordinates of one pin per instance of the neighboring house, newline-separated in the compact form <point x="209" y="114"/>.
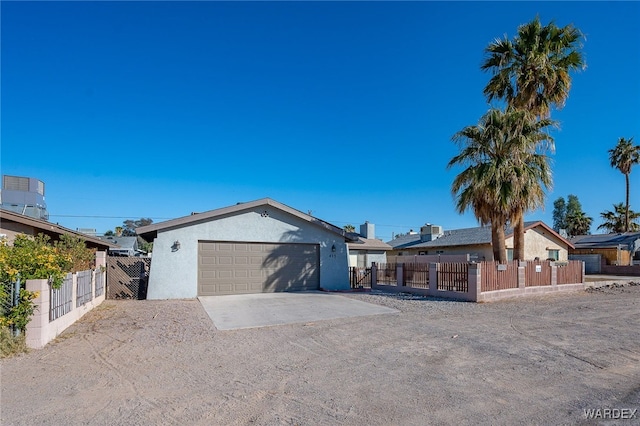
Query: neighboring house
<point x="540" y="241"/>
<point x="12" y="223"/>
<point x="124" y="246"/>
<point x="365" y="249"/>
<point x="254" y="247"/>
<point x="616" y="249"/>
<point x="23" y="195"/>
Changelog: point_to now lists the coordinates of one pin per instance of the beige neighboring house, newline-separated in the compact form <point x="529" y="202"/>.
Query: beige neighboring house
<point x="12" y="223"/>
<point x="540" y="241"/>
<point x="364" y="248"/>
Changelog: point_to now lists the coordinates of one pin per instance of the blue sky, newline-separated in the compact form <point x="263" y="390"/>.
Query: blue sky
<point x="160" y="109"/>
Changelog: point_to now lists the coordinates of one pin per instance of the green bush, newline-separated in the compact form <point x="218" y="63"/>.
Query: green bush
<point x="36" y="258"/>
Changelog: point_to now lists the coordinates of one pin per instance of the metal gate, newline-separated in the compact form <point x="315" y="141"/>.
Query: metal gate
<point x="127" y="277"/>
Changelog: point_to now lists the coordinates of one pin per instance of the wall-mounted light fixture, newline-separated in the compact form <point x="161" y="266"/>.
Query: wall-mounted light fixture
<point x="175" y="246"/>
<point x="333" y="248"/>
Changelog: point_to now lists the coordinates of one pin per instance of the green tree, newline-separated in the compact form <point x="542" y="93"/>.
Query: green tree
<point x="496" y="185"/>
<point x="130" y="226"/>
<point x="623" y="157"/>
<point x="621" y="219"/>
<point x="531" y="73"/>
<point x="576" y="220"/>
<point x="349" y="228"/>
<point x="559" y="214"/>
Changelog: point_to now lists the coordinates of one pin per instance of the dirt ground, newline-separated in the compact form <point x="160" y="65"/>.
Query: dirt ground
<point x="541" y="360"/>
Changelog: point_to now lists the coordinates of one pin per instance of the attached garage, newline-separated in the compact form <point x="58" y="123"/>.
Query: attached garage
<point x="255" y="247"/>
<point x="228" y="267"/>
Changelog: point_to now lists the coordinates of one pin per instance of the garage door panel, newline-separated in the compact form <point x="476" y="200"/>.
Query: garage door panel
<point x="236" y="268"/>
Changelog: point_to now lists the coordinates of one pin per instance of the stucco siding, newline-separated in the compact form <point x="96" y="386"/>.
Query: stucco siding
<point x="11" y="229"/>
<point x="174" y="273"/>
<point x="538" y="242"/>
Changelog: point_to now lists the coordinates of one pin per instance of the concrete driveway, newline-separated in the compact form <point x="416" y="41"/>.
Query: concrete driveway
<point x="266" y="309"/>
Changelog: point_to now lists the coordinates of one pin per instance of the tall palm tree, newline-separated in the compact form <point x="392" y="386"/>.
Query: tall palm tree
<point x="621" y="219"/>
<point x="531" y="73"/>
<point x="495" y="183"/>
<point x="622" y="157"/>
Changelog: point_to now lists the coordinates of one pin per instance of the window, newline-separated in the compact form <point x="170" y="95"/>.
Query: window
<point x="553" y="254"/>
<point x="439" y="251"/>
<point x="509" y="254"/>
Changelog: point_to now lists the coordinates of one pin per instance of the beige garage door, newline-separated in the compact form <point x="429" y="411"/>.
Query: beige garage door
<point x="239" y="268"/>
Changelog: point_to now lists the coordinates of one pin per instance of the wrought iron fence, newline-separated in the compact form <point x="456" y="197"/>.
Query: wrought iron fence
<point x="100" y="274"/>
<point x="61" y="301"/>
<point x="84" y="290"/>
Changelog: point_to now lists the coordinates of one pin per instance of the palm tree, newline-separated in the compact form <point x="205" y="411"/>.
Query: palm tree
<point x="496" y="185"/>
<point x="579" y="223"/>
<point x="531" y="73"/>
<point x="617" y="220"/>
<point x="622" y="157"/>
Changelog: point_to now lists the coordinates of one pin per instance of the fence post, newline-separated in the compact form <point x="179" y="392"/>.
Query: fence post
<point x="38" y="327"/>
<point x="400" y="274"/>
<point x="522" y="275"/>
<point x="433" y="279"/>
<point x="474" y="281"/>
<point x="554" y="274"/>
<point x="374" y="274"/>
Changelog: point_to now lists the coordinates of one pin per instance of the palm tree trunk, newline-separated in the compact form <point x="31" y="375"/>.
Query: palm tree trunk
<point x="497" y="241"/>
<point x="626" y="211"/>
<point x="518" y="237"/>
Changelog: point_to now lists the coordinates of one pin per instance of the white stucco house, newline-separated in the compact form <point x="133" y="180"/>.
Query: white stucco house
<point x="254" y="247"/>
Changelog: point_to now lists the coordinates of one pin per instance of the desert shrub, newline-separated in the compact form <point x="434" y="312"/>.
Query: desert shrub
<point x="10" y="344"/>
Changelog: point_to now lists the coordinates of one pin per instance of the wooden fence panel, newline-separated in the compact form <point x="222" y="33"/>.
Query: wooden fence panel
<point x="570" y="273"/>
<point x="416" y="275"/>
<point x="387" y="274"/>
<point x="453" y="277"/>
<point x="497" y="276"/>
<point x="537" y="273"/>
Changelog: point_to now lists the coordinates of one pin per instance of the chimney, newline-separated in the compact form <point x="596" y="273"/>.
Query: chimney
<point x="368" y="230"/>
<point x="430" y="232"/>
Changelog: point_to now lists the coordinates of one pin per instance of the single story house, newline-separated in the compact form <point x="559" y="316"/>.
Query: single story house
<point x="12" y="223"/>
<point x="123" y="246"/>
<point x="540" y="242"/>
<point x="253" y="247"/>
<point x="364" y="248"/>
<point x="615" y="249"/>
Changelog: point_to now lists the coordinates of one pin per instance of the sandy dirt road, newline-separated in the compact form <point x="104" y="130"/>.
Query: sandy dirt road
<point x="541" y="360"/>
